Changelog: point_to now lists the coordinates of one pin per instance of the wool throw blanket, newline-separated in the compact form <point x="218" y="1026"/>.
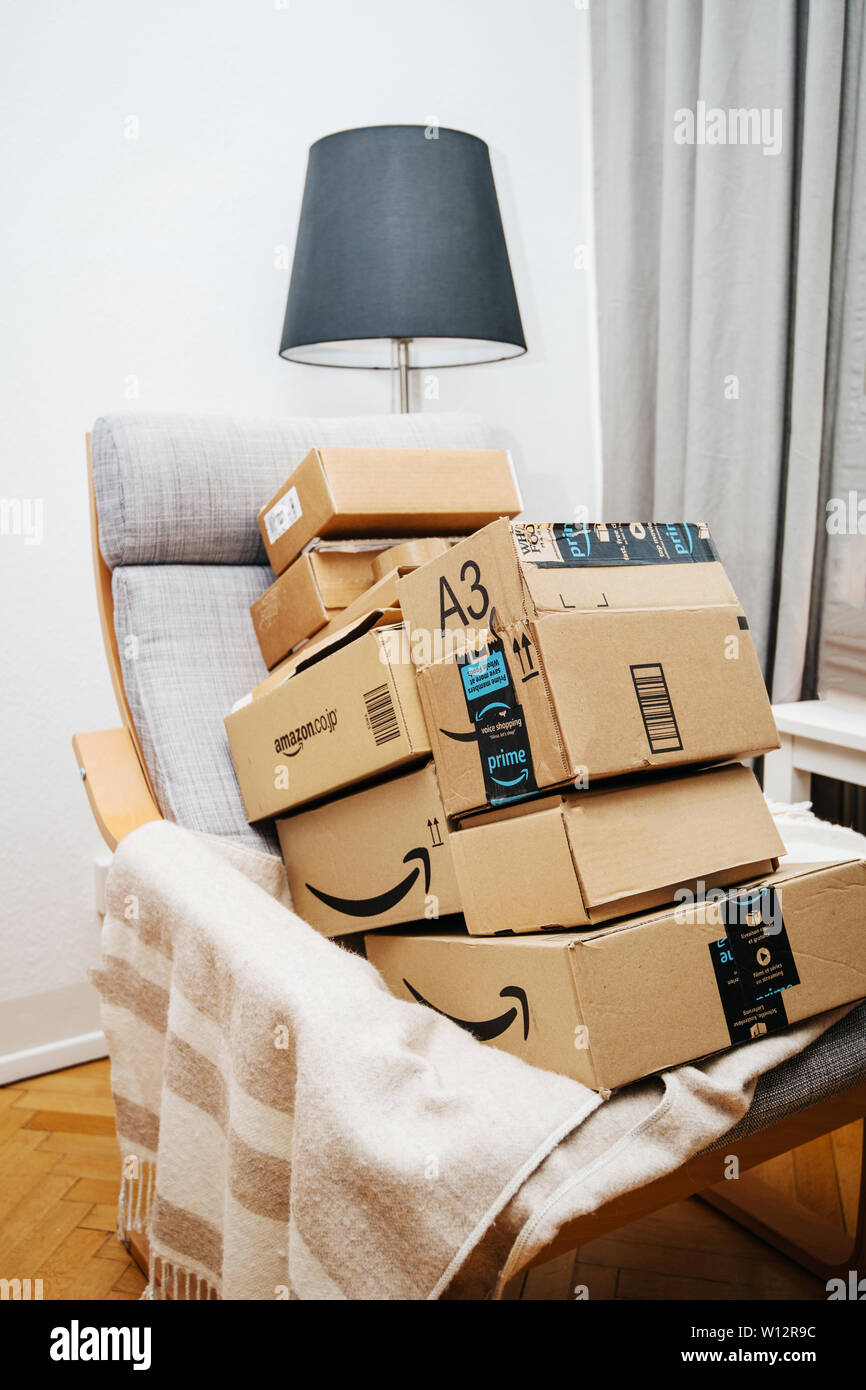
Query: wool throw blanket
<point x="289" y="1129"/>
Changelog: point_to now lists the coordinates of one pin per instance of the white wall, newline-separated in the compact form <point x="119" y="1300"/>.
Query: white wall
<point x="150" y="263"/>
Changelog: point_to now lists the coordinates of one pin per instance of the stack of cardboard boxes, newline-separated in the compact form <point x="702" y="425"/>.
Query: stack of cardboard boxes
<point x="525" y="743"/>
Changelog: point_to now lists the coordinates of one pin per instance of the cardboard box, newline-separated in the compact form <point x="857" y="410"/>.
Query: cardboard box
<point x="327" y="580"/>
<point x="372" y="858"/>
<point x="581" y="859"/>
<point x="524" y="570"/>
<point x="592" y="671"/>
<point x="307" y="595"/>
<point x="650" y="992"/>
<point x="399" y="492"/>
<point x="346" y="714"/>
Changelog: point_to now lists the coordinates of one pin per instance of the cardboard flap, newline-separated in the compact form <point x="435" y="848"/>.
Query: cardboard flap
<point x="411" y="554"/>
<point x="379" y="597"/>
<point x="524" y="862"/>
<point x="319" y="647"/>
<point x="635" y="839"/>
<point x="627" y="586"/>
<point x="351" y="633"/>
<point x="342" y="575"/>
<point x="455" y="592"/>
<point x="613" y="565"/>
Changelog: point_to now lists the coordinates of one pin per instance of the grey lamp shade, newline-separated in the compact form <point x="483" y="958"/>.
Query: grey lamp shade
<point x="400" y="236"/>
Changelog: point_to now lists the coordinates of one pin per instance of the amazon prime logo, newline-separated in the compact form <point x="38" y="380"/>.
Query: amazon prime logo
<point x="506" y="758"/>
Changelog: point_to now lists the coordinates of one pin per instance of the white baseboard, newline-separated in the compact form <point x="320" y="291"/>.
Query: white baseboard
<point x="44" y="1032"/>
<point x="67" y="1052"/>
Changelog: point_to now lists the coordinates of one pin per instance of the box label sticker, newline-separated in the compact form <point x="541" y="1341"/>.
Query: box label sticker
<point x="506" y="758"/>
<point x="484" y="676"/>
<point x="500" y="728"/>
<point x="746" y="1018"/>
<point x="753" y="963"/>
<point x="759" y="942"/>
<point x="558" y="545"/>
<point x="283" y="514"/>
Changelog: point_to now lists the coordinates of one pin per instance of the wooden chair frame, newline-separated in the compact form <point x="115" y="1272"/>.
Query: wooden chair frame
<point x="121" y="798"/>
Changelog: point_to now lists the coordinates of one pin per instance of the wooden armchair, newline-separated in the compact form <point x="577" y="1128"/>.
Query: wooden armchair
<point x="110" y="761"/>
<point x="792" y="1106"/>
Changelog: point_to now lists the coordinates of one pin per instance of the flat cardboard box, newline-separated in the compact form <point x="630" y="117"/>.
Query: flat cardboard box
<point x="372" y="858"/>
<point x="650" y="992"/>
<point x="581" y="859"/>
<point x="399" y="492"/>
<point x="591" y="671"/>
<point x="345" y="715"/>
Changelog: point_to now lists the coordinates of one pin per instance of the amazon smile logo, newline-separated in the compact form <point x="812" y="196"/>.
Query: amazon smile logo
<point x="383" y="902"/>
<point x="503" y="720"/>
<point x="486" y="1029"/>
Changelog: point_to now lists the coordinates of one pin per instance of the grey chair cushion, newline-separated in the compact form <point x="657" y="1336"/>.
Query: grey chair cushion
<point x="833" y="1063"/>
<point x="186" y="489"/>
<point x="188" y="652"/>
<point x="177" y="498"/>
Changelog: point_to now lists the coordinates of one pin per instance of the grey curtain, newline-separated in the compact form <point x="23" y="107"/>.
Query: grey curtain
<point x="729" y="198"/>
<point x="836" y="654"/>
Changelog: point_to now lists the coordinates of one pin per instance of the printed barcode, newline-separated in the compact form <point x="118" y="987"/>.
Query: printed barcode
<point x="656" y="708"/>
<point x="381" y="715"/>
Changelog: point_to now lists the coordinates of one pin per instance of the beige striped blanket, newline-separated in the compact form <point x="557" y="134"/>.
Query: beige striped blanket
<point x="290" y="1130"/>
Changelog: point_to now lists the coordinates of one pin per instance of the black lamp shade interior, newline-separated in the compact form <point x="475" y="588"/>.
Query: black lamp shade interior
<point x="400" y="236"/>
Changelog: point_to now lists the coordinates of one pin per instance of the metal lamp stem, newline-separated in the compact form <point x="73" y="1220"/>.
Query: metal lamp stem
<point x="403" y="370"/>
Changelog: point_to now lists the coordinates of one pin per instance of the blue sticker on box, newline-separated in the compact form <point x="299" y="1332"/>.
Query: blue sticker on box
<point x="568" y="545"/>
<point x="484" y="676"/>
<point x="500" y="728"/>
<point x="753" y="964"/>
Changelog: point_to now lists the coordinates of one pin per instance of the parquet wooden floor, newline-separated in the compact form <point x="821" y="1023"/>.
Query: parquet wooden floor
<point x="59" y="1181"/>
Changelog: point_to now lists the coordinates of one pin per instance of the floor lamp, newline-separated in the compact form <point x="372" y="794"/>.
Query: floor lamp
<point x="400" y="260"/>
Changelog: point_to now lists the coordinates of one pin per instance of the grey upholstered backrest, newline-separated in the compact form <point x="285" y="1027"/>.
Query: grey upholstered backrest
<point x="176" y="499"/>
